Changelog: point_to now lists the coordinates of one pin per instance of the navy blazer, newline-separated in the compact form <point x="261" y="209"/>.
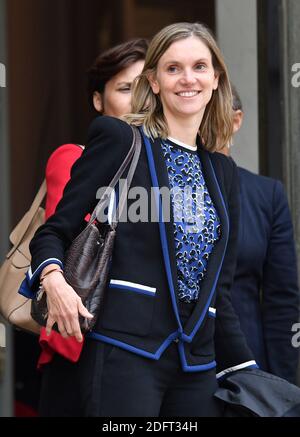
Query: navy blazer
<point x="265" y="291"/>
<point x="141" y="308"/>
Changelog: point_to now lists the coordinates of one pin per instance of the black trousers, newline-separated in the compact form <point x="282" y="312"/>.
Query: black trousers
<point x="111" y="382"/>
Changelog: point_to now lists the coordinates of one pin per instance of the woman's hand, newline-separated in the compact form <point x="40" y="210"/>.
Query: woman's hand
<point x="64" y="306"/>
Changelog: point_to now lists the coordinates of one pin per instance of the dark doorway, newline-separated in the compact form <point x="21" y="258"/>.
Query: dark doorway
<point x="270" y="89"/>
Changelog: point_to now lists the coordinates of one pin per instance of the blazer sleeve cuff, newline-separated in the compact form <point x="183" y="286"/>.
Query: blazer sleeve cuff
<point x="246" y="365"/>
<point x="29" y="286"/>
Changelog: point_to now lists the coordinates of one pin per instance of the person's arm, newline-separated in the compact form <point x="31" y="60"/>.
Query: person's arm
<point x="108" y="143"/>
<point x="280" y="292"/>
<point x="232" y="352"/>
<point x="58" y="173"/>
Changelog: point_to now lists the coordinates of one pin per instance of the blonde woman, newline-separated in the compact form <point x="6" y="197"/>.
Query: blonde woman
<point x="152" y="352"/>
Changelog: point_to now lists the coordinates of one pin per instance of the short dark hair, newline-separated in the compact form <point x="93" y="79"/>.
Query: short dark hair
<point x="236" y="100"/>
<point x="111" y="62"/>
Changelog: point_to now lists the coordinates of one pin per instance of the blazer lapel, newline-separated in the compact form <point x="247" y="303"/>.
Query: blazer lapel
<point x="209" y="282"/>
<point x="160" y="179"/>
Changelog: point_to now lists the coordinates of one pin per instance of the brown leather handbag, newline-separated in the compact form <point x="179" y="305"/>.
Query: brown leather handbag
<point x="14" y="307"/>
<point x="87" y="262"/>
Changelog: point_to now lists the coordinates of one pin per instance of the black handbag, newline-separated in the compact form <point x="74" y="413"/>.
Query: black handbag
<point x="87" y="261"/>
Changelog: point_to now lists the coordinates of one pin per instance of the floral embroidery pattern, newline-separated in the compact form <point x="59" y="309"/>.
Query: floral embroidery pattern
<point x="196" y="223"/>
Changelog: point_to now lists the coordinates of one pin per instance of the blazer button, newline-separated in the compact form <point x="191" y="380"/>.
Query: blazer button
<point x="176" y="340"/>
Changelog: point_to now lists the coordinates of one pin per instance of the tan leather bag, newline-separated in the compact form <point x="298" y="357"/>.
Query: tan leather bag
<point x="14" y="307"/>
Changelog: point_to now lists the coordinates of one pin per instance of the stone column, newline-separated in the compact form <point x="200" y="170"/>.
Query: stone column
<point x="6" y="346"/>
<point x="290" y="50"/>
<point x="236" y="31"/>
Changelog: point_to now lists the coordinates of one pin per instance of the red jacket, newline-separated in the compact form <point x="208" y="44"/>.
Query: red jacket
<point x="58" y="173"/>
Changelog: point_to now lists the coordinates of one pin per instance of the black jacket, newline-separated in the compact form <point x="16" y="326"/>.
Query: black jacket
<point x="140" y="312"/>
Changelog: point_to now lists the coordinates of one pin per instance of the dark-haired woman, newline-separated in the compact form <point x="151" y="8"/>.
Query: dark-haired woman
<point x="109" y="82"/>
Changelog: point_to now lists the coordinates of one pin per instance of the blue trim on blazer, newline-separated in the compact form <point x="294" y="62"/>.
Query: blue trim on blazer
<point x="183" y="336"/>
<point x="133" y="289"/>
<point x="157" y="354"/>
<point x="26" y="287"/>
<point x="198" y="324"/>
<point x="195" y="368"/>
<point x="179" y="334"/>
<point x="161" y="225"/>
<point x="128" y="347"/>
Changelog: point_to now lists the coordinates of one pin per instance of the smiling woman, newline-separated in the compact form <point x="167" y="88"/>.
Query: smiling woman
<point x="181" y="76"/>
<point x="185" y="80"/>
<point x="167" y="330"/>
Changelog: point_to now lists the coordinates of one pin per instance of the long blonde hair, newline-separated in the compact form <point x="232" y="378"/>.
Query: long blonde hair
<point x="215" y="129"/>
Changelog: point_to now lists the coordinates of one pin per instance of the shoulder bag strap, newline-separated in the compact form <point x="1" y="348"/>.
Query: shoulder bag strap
<point x="133" y="156"/>
<point x="31" y="213"/>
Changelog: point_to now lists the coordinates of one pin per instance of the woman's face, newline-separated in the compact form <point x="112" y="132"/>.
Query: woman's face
<point x="116" y="98"/>
<point x="185" y="79"/>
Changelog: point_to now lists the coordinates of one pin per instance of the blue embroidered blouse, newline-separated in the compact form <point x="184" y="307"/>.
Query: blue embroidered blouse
<point x="196" y="223"/>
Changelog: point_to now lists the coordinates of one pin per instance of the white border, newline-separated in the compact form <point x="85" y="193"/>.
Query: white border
<point x="132" y="285"/>
<point x="238" y="367"/>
